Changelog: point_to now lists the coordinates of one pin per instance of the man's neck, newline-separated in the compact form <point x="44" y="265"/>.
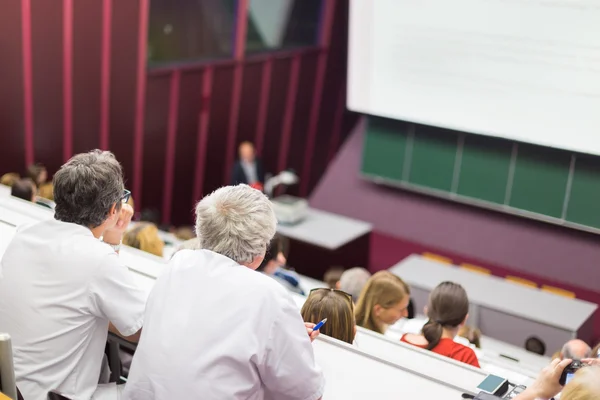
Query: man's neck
<point x="98" y="231"/>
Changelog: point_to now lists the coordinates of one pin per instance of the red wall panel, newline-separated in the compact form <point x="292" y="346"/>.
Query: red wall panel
<point x="155" y="139"/>
<point x="277" y="97"/>
<point x="218" y="128"/>
<point x="249" y="103"/>
<point x="304" y="97"/>
<point x="47" y="49"/>
<point x="86" y="74"/>
<point x="123" y="66"/>
<point x="12" y="140"/>
<point x="190" y="100"/>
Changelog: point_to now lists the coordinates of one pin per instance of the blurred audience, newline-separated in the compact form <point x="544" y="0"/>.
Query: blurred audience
<point x="184" y="233"/>
<point x="9" y="179"/>
<point x="535" y="345"/>
<point x="332" y="277"/>
<point x="472" y="334"/>
<point x="575" y="350"/>
<point x="214" y="328"/>
<point x="382" y="302"/>
<point x="353" y="281"/>
<point x="144" y="236"/>
<point x="274" y="262"/>
<point x="24" y="189"/>
<point x="447" y="310"/>
<point x="62" y="289"/>
<point x="38" y="174"/>
<point x="337" y="307"/>
<point x="248" y="168"/>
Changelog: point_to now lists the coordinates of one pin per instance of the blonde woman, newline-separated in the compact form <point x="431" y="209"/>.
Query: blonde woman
<point x="144" y="236"/>
<point x="334" y="305"/>
<point x="383" y="301"/>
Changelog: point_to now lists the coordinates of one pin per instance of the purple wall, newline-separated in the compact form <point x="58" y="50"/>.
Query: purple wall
<point x="525" y="247"/>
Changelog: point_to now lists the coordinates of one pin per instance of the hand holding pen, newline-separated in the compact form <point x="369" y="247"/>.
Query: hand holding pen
<point x="313" y="329"/>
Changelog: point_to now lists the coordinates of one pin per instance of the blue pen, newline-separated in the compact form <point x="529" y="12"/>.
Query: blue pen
<point x="319" y="325"/>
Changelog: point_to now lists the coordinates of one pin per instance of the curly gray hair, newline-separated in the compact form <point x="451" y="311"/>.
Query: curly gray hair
<point x="237" y="222"/>
<point x="86" y="187"/>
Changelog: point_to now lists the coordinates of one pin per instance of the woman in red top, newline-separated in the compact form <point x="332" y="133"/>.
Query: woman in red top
<point x="447" y="310"/>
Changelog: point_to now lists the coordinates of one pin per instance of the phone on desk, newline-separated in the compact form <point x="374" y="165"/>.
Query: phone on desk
<point x="493" y="384"/>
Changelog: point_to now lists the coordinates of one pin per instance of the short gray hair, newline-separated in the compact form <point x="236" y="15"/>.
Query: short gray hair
<point x="86" y="187"/>
<point x="237" y="222"/>
<point x="353" y="280"/>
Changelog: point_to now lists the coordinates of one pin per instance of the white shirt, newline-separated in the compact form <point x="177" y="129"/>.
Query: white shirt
<point x="59" y="288"/>
<point x="217" y="330"/>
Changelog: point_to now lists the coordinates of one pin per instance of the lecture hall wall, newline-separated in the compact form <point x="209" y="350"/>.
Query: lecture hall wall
<point x="73" y="77"/>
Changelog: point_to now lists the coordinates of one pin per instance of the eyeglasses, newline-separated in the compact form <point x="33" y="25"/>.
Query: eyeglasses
<point x="126" y="196"/>
<point x="346" y="295"/>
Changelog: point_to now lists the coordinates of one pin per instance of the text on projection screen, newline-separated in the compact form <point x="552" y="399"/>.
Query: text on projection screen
<point x="527" y="70"/>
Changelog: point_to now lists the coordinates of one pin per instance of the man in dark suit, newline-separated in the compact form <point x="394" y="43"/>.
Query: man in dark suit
<point x="248" y="169"/>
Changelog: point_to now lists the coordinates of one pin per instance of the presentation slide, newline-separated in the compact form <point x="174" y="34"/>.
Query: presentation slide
<point x="526" y="70"/>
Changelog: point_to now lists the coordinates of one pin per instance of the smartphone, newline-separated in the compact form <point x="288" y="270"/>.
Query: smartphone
<point x="493" y="384"/>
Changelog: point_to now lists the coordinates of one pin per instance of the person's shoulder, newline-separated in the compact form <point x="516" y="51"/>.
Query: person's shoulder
<point x="464" y="353"/>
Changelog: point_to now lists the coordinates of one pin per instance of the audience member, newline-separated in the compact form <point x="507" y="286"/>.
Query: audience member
<point x="472" y="334"/>
<point x="46" y="191"/>
<point x="575" y="350"/>
<point x="184" y="233"/>
<point x="447" y="310"/>
<point x="547" y="383"/>
<point x="61" y="286"/>
<point x="248" y="169"/>
<point x="382" y="302"/>
<point x="274" y="262"/>
<point x="216" y="329"/>
<point x="332" y="277"/>
<point x="144" y="236"/>
<point x="38" y="174"/>
<point x="9" y="179"/>
<point x="353" y="280"/>
<point x="337" y="307"/>
<point x="535" y="345"/>
<point x="24" y="189"/>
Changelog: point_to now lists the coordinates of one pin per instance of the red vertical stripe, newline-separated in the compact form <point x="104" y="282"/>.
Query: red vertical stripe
<point x="105" y="74"/>
<point x="241" y="25"/>
<point x="67" y="79"/>
<point x="238" y="53"/>
<point x="288" y="118"/>
<point x="27" y="81"/>
<point x="203" y="120"/>
<point x="263" y="106"/>
<point x="337" y="124"/>
<point x="171" y="141"/>
<point x="324" y="43"/>
<point x="138" y="140"/>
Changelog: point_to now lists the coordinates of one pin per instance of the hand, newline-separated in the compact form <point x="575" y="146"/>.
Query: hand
<point x="114" y="235"/>
<point x="309" y="329"/>
<point x="546" y="385"/>
<point x="591" y="361"/>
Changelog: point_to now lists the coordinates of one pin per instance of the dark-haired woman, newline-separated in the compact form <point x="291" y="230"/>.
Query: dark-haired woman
<point x="447" y="310"/>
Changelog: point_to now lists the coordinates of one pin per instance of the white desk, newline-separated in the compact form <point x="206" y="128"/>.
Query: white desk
<point x="504" y="310"/>
<point x="4" y="191"/>
<point x="351" y="373"/>
<point x="324" y="229"/>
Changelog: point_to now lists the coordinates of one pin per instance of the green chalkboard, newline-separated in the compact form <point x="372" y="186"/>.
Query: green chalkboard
<point x="433" y="158"/>
<point x="385" y="148"/>
<point x="558" y="185"/>
<point x="484" y="169"/>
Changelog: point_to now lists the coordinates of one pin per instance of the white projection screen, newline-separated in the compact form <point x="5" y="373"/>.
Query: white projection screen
<point x="526" y="70"/>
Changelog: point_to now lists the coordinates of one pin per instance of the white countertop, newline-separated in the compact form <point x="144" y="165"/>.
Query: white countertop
<point x="324" y="229"/>
<point x="497" y="294"/>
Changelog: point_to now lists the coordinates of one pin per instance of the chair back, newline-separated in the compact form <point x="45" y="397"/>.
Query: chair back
<point x="8" y="383"/>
